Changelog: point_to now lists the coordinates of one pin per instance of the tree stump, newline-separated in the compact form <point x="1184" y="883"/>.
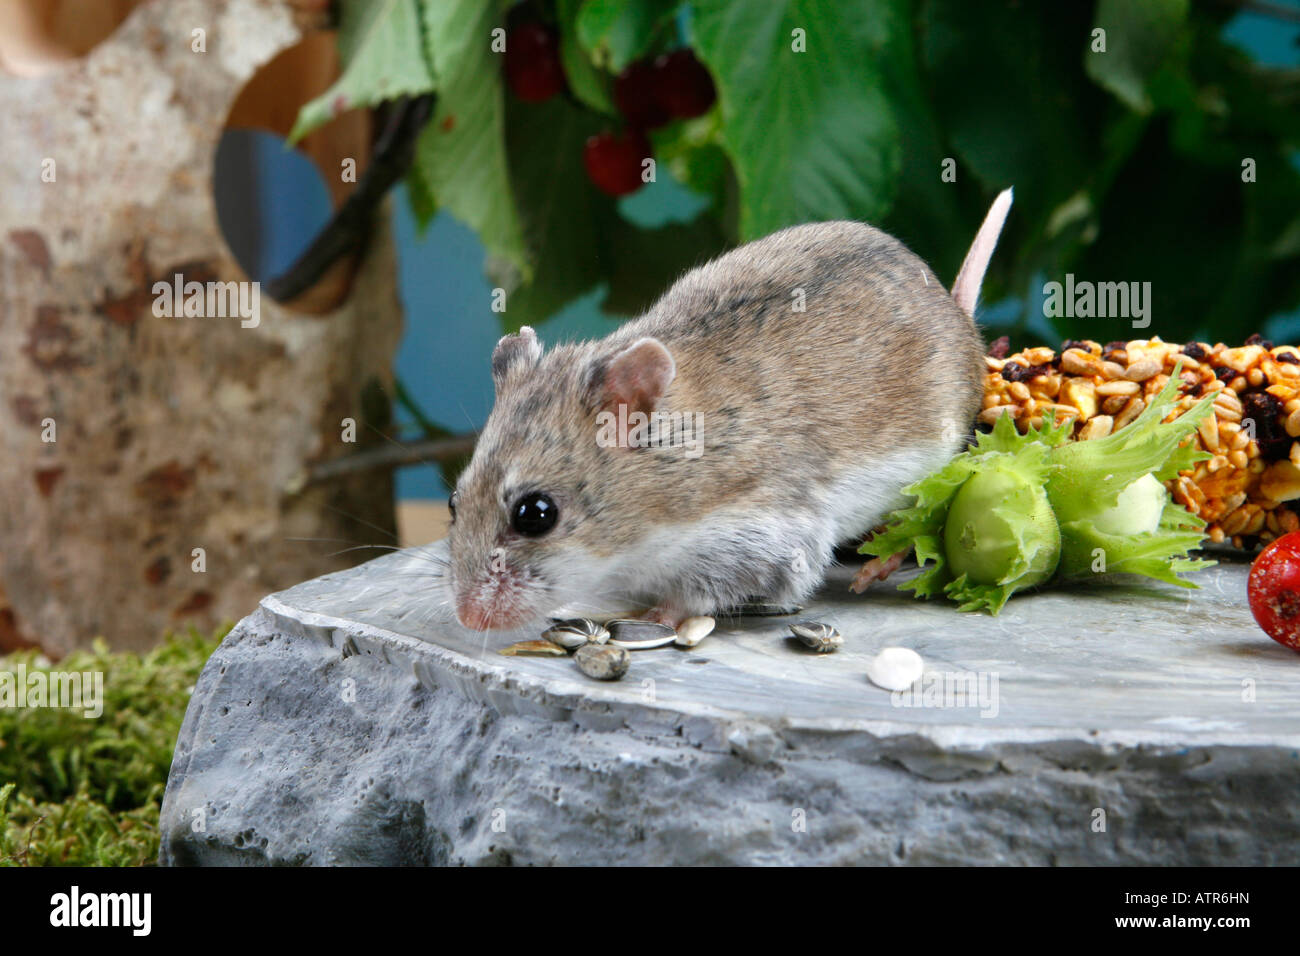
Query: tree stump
<point x="150" y="465"/>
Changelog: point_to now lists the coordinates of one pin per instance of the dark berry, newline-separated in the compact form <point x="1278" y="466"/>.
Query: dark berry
<point x="1265" y="409"/>
<point x="1287" y="358"/>
<point x="636" y="94"/>
<point x="533" y="70"/>
<point x="1257" y="339"/>
<point x="1194" y="350"/>
<point x="614" y="162"/>
<point x="685" y="87"/>
<point x="1012" y="372"/>
<point x="1076" y="344"/>
<point x="1000" y="347"/>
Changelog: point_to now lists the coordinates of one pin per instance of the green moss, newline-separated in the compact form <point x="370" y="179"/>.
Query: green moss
<point x="86" y="791"/>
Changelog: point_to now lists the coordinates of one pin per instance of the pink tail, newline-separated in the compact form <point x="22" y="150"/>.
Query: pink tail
<point x="966" y="287"/>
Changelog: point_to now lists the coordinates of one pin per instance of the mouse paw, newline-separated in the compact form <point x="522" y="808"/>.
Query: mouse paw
<point x="877" y="569"/>
<point x="665" y="614"/>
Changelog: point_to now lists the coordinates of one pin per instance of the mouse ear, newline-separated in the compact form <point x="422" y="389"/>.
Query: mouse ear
<point x="637" y="377"/>
<point x="514" y="350"/>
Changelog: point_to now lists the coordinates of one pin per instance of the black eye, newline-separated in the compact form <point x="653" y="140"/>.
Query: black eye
<point x="451" y="505"/>
<point x="534" y="514"/>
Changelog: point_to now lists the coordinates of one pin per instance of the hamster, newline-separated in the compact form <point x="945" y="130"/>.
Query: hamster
<point x="772" y="404"/>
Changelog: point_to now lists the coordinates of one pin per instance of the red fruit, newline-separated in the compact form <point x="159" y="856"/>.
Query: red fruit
<point x="533" y="70"/>
<point x="1274" y="590"/>
<point x="614" y="162"/>
<point x="636" y="94"/>
<point x="685" y="87"/>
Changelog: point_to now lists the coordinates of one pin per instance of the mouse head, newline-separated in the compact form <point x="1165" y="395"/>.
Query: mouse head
<point x="535" y="513"/>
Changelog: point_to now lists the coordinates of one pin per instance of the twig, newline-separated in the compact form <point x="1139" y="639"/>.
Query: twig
<point x="385" y="458"/>
<point x="349" y="228"/>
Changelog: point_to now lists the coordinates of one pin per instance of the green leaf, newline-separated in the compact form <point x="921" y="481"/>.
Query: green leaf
<point x="461" y="154"/>
<point x="585" y="80"/>
<point x="420" y="197"/>
<point x="1014" y="107"/>
<point x="616" y="32"/>
<point x="565" y="219"/>
<point x="1093" y="473"/>
<point x="644" y="261"/>
<point x="811" y="134"/>
<point x="1141" y="38"/>
<point x="379" y="42"/>
<point x="1161" y="556"/>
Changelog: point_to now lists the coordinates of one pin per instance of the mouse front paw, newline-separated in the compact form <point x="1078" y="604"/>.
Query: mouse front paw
<point x="667" y="615"/>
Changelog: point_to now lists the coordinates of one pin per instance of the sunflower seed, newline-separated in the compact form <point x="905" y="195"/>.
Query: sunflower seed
<point x="534" y="649"/>
<point x="602" y="661"/>
<point x="576" y="631"/>
<point x="895" y="668"/>
<point x="693" y="630"/>
<point x="822" y="638"/>
<point x="640" y="635"/>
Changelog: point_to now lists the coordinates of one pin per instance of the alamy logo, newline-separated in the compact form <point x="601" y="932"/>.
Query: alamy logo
<point x="72" y="909"/>
<point x="976" y="689"/>
<point x="654" y="430"/>
<point x="1101" y="300"/>
<point x="213" y="300"/>
<point x="72" y="690"/>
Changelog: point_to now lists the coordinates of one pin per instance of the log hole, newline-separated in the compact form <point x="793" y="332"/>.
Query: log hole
<point x="266" y="228"/>
<point x="42" y="36"/>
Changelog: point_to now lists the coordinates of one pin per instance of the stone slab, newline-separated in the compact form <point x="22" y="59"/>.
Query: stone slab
<point x="351" y="720"/>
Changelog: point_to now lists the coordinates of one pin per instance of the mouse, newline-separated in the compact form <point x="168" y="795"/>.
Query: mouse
<point x="773" y="403"/>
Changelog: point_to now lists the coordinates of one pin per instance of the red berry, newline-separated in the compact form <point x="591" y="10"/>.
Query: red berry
<point x="636" y="94"/>
<point x="1274" y="590"/>
<point x="533" y="69"/>
<point x="614" y="162"/>
<point x="685" y="87"/>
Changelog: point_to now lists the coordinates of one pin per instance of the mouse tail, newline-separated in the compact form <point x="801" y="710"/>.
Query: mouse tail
<point x="966" y="287"/>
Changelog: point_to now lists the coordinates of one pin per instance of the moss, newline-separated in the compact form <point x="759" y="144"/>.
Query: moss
<point x="86" y="791"/>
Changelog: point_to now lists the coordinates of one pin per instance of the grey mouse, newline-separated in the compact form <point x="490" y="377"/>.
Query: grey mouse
<point x="771" y="404"/>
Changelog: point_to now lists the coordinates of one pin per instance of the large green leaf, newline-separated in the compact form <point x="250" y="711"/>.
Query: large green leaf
<point x="379" y="42"/>
<point x="1140" y="39"/>
<point x="811" y="134"/>
<point x="461" y="154"/>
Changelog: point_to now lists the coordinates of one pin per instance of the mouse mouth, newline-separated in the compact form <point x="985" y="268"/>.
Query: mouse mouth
<point x="478" y="617"/>
<point x="498" y="603"/>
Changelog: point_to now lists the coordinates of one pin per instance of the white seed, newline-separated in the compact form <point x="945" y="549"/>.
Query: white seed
<point x="895" y="668"/>
<point x="693" y="630"/>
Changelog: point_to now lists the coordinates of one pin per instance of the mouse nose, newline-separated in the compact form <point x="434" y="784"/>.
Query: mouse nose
<point x="473" y="615"/>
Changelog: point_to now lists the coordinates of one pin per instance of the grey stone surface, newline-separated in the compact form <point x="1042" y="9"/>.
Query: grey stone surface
<point x="349" y="720"/>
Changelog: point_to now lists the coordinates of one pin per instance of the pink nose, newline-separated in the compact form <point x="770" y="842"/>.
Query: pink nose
<point x="472" y="615"/>
<point x="478" y="616"/>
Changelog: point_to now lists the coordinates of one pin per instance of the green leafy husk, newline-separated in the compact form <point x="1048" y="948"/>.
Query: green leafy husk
<point x="1000" y="535"/>
<point x="1082" y="481"/>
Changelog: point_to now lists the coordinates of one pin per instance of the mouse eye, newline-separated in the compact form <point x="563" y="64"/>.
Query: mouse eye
<point x="534" y="514"/>
<point x="451" y="505"/>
